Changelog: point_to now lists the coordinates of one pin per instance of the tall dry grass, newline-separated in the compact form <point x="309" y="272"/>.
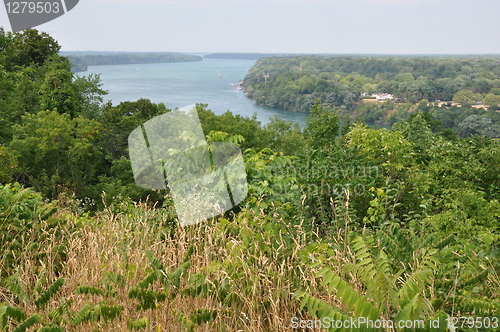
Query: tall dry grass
<point x="262" y="269"/>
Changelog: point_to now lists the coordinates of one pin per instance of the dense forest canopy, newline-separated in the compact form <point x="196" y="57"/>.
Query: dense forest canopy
<point x="344" y="223"/>
<point x="297" y="82"/>
<point x="294" y="83"/>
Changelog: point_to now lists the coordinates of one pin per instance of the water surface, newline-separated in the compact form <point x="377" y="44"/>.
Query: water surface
<point x="211" y="81"/>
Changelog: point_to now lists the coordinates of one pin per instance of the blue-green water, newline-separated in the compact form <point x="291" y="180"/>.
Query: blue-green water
<point x="187" y="83"/>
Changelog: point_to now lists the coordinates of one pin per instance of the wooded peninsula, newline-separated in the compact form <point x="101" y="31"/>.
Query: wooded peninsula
<point x="461" y="92"/>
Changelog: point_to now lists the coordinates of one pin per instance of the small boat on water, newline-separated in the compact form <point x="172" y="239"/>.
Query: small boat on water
<point x="219" y="75"/>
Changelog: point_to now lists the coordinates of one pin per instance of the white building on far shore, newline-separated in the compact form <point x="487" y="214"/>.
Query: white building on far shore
<point x="382" y="96"/>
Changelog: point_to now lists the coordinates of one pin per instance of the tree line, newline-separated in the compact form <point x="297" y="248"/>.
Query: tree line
<point x="296" y="82"/>
<point x="81" y="62"/>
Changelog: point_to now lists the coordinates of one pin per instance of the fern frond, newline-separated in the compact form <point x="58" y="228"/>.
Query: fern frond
<point x="478" y="278"/>
<point x="46" y="296"/>
<point x="152" y="277"/>
<point x="477" y="307"/>
<point x="202" y="316"/>
<point x="7" y="311"/>
<point x="140" y="324"/>
<point x="105" y="312"/>
<point x="88" y="290"/>
<point x="155" y="263"/>
<point x="365" y="266"/>
<point x="396" y="242"/>
<point x="27" y="323"/>
<point x="83" y="315"/>
<point x="414" y="285"/>
<point x="356" y="303"/>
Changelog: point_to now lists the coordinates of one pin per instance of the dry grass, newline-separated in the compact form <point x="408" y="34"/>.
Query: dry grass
<point x="118" y="244"/>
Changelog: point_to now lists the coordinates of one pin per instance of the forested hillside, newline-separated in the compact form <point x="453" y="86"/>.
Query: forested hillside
<point x="296" y="83"/>
<point x="400" y="227"/>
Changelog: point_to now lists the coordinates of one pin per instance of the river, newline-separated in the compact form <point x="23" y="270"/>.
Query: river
<point x="185" y="83"/>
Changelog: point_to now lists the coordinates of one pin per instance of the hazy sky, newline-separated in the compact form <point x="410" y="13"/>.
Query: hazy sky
<point x="281" y="26"/>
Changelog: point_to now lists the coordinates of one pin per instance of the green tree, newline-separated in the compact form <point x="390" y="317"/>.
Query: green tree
<point x="346" y="127"/>
<point x="7" y="165"/>
<point x="389" y="148"/>
<point x="119" y="121"/>
<point x="322" y="126"/>
<point x="57" y="91"/>
<point x="285" y="136"/>
<point x="28" y="47"/>
<point x="417" y="131"/>
<point x="491" y="100"/>
<point x="465" y="97"/>
<point x="478" y="125"/>
<point x="56" y="153"/>
<point x="90" y="93"/>
<point x="234" y="124"/>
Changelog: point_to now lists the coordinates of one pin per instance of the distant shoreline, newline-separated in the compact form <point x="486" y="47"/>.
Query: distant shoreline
<point x="80" y="61"/>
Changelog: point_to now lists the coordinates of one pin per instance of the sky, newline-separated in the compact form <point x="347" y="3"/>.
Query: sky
<point x="279" y="26"/>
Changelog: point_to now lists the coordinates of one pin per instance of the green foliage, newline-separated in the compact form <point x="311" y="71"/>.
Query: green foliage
<point x="383" y="224"/>
<point x="140" y="324"/>
<point x="330" y="180"/>
<point x="51" y="329"/>
<point x="417" y="130"/>
<point x="389" y="148"/>
<point x="322" y="126"/>
<point x="286" y="137"/>
<point x="491" y="100"/>
<point x="27" y="323"/>
<point x="296" y="82"/>
<point x="27" y="47"/>
<point x="7" y="165"/>
<point x="249" y="128"/>
<point x="83" y="315"/>
<point x="56" y="151"/>
<point x="267" y="177"/>
<point x="21" y="211"/>
<point x="200" y="317"/>
<point x="478" y="125"/>
<point x="47" y="295"/>
<point x="87" y="290"/>
<point x="391" y="274"/>
<point x="6" y="312"/>
<point x="149" y="299"/>
<point x="465" y="97"/>
<point x="57" y="90"/>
